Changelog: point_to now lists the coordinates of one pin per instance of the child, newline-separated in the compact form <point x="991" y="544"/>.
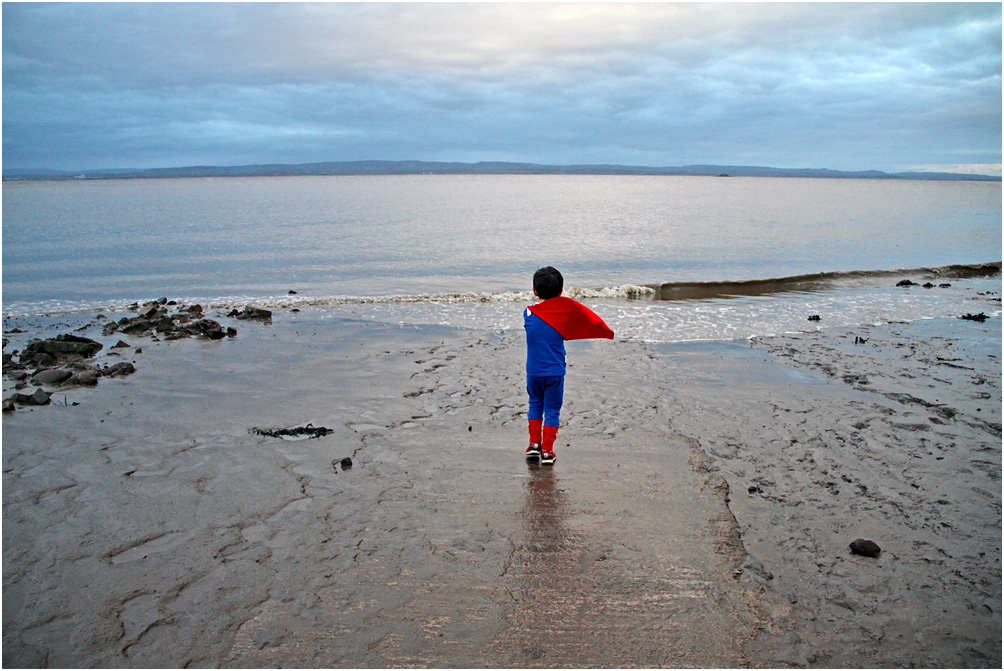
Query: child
<point x="548" y="325"/>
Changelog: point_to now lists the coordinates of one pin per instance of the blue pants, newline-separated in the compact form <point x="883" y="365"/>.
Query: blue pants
<point x="546" y="395"/>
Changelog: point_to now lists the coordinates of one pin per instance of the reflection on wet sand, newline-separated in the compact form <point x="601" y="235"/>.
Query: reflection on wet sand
<point x="543" y="568"/>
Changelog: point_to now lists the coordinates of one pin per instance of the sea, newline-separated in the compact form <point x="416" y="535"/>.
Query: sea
<point x="660" y="258"/>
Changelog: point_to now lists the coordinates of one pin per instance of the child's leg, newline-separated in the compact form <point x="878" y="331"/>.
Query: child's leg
<point x="536" y="430"/>
<point x="554" y="396"/>
<point x="535" y="416"/>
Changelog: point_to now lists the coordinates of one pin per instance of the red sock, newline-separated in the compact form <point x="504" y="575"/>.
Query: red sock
<point x="535" y="425"/>
<point x="550" y="434"/>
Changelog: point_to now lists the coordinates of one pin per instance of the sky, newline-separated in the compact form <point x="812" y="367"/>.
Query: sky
<point x="844" y="86"/>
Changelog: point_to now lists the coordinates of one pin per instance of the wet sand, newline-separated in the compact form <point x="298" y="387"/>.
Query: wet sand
<point x="698" y="514"/>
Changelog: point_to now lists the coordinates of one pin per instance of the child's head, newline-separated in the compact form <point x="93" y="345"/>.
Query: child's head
<point x="547" y="283"/>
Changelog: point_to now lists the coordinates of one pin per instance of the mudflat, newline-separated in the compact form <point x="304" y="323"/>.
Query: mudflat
<point x="699" y="513"/>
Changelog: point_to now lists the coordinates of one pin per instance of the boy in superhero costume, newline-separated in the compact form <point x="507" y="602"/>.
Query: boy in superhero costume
<point x="548" y="325"/>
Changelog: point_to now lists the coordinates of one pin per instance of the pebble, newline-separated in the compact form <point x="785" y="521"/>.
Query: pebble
<point x="865" y="548"/>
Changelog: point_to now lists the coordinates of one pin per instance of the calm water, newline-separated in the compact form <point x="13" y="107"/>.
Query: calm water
<point x="84" y="245"/>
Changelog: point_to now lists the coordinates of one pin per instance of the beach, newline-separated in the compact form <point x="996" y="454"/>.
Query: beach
<point x="699" y="514"/>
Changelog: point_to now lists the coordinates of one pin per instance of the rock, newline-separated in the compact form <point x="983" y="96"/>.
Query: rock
<point x="209" y="328"/>
<point x="815" y="318"/>
<point x="40" y="397"/>
<point x="865" y="548"/>
<point x="251" y="312"/>
<point x="83" y="378"/>
<point x="47" y="353"/>
<point x="976" y="318"/>
<point x="906" y="283"/>
<point x="40" y="359"/>
<point x="51" y="376"/>
<point x="8" y="405"/>
<point x="148" y="310"/>
<point x="164" y="324"/>
<point x="119" y="369"/>
<point x="753" y="565"/>
<point x="137" y="326"/>
<point x="119" y="344"/>
<point x="928" y="285"/>
<point x="63" y="345"/>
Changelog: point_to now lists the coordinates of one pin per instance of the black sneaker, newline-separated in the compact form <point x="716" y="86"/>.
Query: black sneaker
<point x="533" y="452"/>
<point x="547" y="458"/>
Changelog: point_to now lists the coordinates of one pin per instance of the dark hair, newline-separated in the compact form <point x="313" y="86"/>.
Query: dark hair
<point x="548" y="282"/>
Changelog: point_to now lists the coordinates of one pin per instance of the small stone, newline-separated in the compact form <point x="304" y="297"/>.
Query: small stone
<point x="123" y="368"/>
<point x="815" y="318"/>
<point x="753" y="565"/>
<point x="136" y="326"/>
<point x="251" y="312"/>
<point x="8" y="405"/>
<point x="40" y="359"/>
<point x="865" y="548"/>
<point x="40" y="397"/>
<point x="906" y="283"/>
<point x="346" y="463"/>
<point x="120" y="343"/>
<point x="84" y="378"/>
<point x="149" y="310"/>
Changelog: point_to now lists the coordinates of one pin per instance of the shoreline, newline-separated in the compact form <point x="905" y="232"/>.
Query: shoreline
<point x="698" y="515"/>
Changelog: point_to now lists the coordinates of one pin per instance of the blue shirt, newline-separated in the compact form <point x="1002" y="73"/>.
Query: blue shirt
<point x="545" y="348"/>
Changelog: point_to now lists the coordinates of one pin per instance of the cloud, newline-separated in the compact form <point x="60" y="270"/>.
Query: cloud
<point x="822" y="85"/>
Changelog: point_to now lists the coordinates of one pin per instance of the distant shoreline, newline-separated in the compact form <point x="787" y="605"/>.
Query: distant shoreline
<point x="348" y="168"/>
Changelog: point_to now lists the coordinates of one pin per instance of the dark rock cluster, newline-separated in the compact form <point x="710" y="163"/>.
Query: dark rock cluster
<point x="61" y="362"/>
<point x="926" y="285"/>
<point x="66" y="361"/>
<point x="155" y="318"/>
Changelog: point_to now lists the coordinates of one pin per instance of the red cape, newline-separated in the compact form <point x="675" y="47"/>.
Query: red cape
<point x="572" y="319"/>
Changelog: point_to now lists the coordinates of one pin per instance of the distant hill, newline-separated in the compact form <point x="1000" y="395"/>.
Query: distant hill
<point x="482" y="168"/>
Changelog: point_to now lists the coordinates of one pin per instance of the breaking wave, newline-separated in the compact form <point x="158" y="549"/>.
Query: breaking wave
<point x="627" y="293"/>
<point x="814" y="282"/>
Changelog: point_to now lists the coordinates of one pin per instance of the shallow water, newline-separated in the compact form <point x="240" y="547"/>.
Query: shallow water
<point x="400" y="248"/>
